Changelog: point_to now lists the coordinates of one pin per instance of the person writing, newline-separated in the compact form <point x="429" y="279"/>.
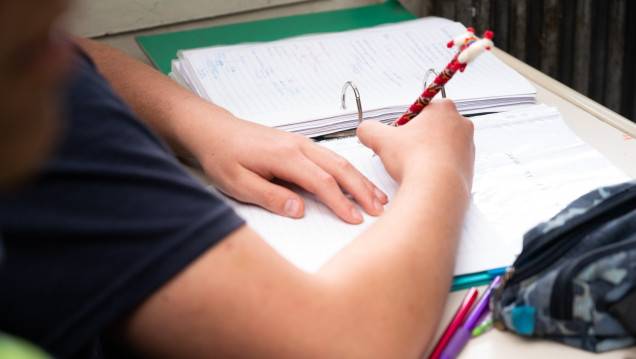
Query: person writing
<point x="113" y="250"/>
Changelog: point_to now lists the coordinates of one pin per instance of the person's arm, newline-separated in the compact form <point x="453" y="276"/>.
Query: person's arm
<point x="240" y="158"/>
<point x="380" y="297"/>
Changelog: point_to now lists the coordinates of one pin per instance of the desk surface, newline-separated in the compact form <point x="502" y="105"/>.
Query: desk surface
<point x="598" y="126"/>
<point x="495" y="344"/>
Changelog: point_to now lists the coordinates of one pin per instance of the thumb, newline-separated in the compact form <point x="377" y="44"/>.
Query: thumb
<point x="371" y="133"/>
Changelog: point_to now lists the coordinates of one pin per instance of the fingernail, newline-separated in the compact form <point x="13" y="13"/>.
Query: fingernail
<point x="291" y="208"/>
<point x="356" y="214"/>
<point x="379" y="194"/>
<point x="378" y="205"/>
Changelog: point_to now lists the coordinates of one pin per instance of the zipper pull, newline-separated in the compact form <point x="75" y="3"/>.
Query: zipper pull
<point x="507" y="276"/>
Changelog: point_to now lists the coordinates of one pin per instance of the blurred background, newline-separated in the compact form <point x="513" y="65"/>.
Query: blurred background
<point x="584" y="44"/>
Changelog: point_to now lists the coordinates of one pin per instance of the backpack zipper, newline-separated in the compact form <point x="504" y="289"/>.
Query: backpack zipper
<point x="618" y="204"/>
<point x="563" y="288"/>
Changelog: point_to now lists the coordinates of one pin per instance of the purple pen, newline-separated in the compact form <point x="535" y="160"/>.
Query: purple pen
<point x="463" y="333"/>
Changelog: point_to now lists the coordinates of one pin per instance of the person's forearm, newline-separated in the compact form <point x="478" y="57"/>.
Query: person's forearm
<point x="381" y="297"/>
<point x="156" y="98"/>
<point x="408" y="255"/>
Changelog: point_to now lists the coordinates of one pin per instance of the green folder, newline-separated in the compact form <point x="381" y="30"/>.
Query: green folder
<point x="162" y="49"/>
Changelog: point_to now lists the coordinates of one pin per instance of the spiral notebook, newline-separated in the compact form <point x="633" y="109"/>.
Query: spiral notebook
<point x="296" y="84"/>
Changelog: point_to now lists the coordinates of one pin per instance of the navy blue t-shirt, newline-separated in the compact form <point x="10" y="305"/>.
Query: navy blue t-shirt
<point x="112" y="217"/>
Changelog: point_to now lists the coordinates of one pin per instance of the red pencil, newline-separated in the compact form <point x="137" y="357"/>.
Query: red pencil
<point x="469" y="47"/>
<point x="457" y="321"/>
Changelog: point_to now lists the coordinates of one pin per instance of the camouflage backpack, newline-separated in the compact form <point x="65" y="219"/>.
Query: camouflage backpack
<point x="575" y="279"/>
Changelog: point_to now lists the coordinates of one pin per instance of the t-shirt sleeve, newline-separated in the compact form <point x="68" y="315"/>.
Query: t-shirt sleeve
<point x="112" y="217"/>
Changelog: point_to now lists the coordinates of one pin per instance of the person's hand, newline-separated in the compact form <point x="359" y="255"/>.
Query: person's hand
<point x="242" y="159"/>
<point x="244" y="165"/>
<point x="439" y="139"/>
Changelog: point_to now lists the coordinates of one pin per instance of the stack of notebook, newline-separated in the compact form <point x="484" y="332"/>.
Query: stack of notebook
<point x="296" y="84"/>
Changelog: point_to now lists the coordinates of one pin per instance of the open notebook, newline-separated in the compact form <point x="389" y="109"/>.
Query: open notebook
<point x="296" y="84"/>
<point x="528" y="166"/>
<point x="310" y="242"/>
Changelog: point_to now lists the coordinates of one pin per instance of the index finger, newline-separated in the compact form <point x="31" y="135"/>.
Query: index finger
<point x="349" y="178"/>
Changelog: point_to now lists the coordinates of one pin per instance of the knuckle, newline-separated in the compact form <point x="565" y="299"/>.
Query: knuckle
<point x="447" y="102"/>
<point x="447" y="105"/>
<point x="270" y="197"/>
<point x="341" y="163"/>
<point x="236" y="189"/>
<point x="229" y="180"/>
<point x="286" y="149"/>
<point x="327" y="180"/>
<point x="301" y="138"/>
<point x="297" y="139"/>
<point x="469" y="125"/>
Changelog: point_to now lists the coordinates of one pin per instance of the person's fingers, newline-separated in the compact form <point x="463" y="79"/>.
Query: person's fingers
<point x="370" y="198"/>
<point x="443" y="103"/>
<point x="309" y="166"/>
<point x="251" y="188"/>
<point x="371" y="132"/>
<point x="310" y="176"/>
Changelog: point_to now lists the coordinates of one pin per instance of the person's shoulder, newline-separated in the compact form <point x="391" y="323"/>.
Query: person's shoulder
<point x="97" y="117"/>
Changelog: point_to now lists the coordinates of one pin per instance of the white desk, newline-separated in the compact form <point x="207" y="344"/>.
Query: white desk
<point x="599" y="127"/>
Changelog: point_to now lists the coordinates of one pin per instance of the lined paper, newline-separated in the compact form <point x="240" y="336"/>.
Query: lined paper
<point x="295" y="84"/>
<point x="529" y="165"/>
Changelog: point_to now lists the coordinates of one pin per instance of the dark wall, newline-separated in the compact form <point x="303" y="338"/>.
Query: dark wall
<point x="588" y="45"/>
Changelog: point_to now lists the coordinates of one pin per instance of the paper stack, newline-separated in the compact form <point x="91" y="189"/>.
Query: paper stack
<point x="296" y="84"/>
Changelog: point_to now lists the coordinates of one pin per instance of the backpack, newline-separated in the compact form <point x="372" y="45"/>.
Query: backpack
<point x="575" y="279"/>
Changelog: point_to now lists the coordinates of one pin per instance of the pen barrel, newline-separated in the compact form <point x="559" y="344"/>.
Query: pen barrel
<point x="456" y="344"/>
<point x="427" y="96"/>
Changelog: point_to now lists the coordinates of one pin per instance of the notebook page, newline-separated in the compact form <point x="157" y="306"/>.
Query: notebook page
<point x="529" y="165"/>
<point x="299" y="79"/>
<point x="310" y="242"/>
